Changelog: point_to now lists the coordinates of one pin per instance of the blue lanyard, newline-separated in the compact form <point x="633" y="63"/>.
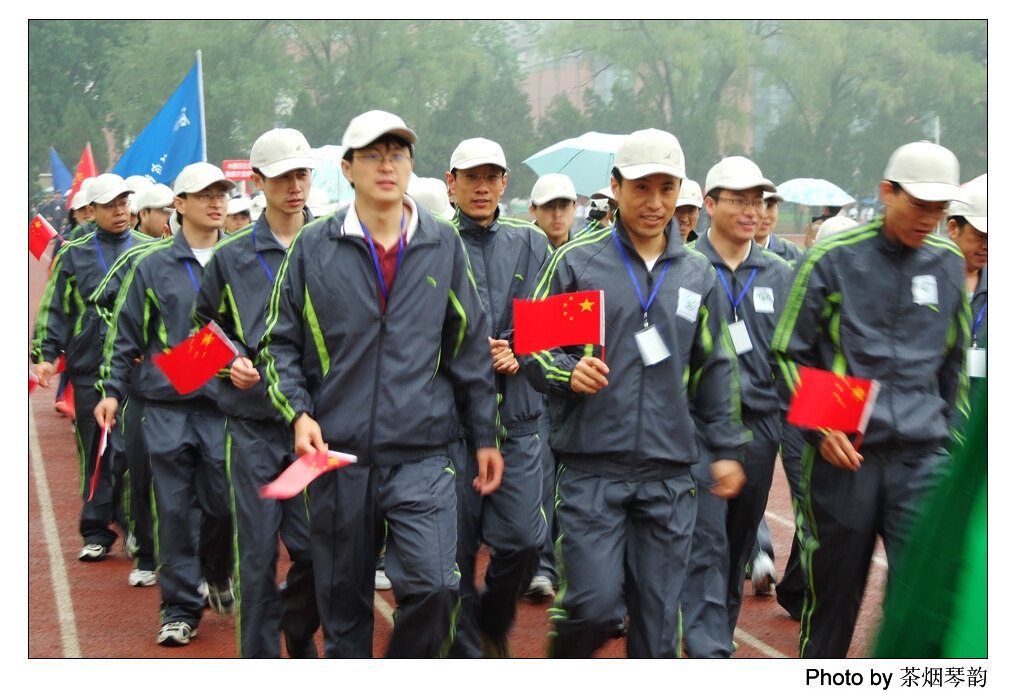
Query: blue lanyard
<point x="726" y="286"/>
<point x="264" y="264"/>
<point x="194" y="281"/>
<point x="977" y="325"/>
<point x="377" y="262"/>
<point x="98" y="249"/>
<point x="635" y="282"/>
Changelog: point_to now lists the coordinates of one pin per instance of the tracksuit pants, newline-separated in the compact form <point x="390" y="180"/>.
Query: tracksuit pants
<point x="845" y="511"/>
<point x="790" y="589"/>
<point x="187" y="448"/>
<point x="621" y="541"/>
<point x="511" y="522"/>
<point x="547" y="566"/>
<point x="257" y="451"/>
<point x="417" y="498"/>
<point x="99" y="512"/>
<point x="139" y="484"/>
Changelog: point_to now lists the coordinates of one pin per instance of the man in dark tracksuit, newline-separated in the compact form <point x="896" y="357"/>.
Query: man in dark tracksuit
<point x="769" y="240"/>
<point x="66" y="322"/>
<point x="755" y="284"/>
<point x="625" y="489"/>
<point x="883" y="301"/>
<point x="184" y="433"/>
<point x="376" y="338"/>
<point x="505" y="255"/>
<point x="259" y="444"/>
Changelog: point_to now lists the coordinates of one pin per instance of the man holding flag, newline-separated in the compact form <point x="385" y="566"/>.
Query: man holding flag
<point x="631" y="416"/>
<point x="184" y="432"/>
<point x="68" y="323"/>
<point x="883" y="301"/>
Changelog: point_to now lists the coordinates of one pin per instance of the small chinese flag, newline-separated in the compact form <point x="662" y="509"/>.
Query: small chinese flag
<point x="192" y="363"/>
<point x="824" y="400"/>
<point x="559" y="320"/>
<point x="33" y="380"/>
<point x="302" y="471"/>
<point x="40" y="233"/>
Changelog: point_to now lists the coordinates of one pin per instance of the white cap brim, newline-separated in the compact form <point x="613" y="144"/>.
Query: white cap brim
<point x="646" y="169"/>
<point x="933" y="191"/>
<point x="274" y="170"/>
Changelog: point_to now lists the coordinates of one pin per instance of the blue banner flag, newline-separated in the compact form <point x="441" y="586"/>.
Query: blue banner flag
<point x="174" y="138"/>
<point x="62" y="178"/>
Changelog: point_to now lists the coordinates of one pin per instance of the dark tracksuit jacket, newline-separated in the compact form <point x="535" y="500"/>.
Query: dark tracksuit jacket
<point x="783" y="247"/>
<point x="645" y="430"/>
<point x="68" y="323"/>
<point x="733" y="523"/>
<point x="386" y="387"/>
<point x="866" y="307"/>
<point x="184" y="433"/>
<point x="234" y="293"/>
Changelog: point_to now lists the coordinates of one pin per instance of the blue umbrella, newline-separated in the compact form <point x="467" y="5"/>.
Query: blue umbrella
<point x="813" y="192"/>
<point x="587" y="160"/>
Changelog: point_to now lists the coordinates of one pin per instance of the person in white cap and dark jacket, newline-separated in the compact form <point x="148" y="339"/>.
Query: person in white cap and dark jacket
<point x="155" y="204"/>
<point x="768" y="239"/>
<point x="259" y="444"/>
<point x="689" y="206"/>
<point x="506" y="255"/>
<point x="67" y="324"/>
<point x="967" y="225"/>
<point x="666" y="379"/>
<point x="883" y="301"/>
<point x="376" y="340"/>
<point x="184" y="433"/>
<point x="552" y="207"/>
<point x="755" y="284"/>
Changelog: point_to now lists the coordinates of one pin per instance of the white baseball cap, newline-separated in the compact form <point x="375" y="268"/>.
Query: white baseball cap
<point x="106" y="187"/>
<point x="281" y="150"/>
<point x="371" y="126"/>
<point x="647" y="152"/>
<point x="926" y="171"/>
<point x="471" y="153"/>
<point x="834" y="225"/>
<point x="432" y="194"/>
<point x="736" y="173"/>
<point x="138" y="182"/>
<point x="157" y="196"/>
<point x="239" y="205"/>
<point x="974" y="206"/>
<point x="773" y="196"/>
<point x="605" y="193"/>
<point x="690" y="194"/>
<point x="257" y="205"/>
<point x="319" y="203"/>
<point x="552" y="186"/>
<point x="198" y="176"/>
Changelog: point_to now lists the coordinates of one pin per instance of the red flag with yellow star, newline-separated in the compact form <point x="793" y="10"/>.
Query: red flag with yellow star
<point x="192" y="363"/>
<point x="40" y="234"/>
<point x="302" y="471"/>
<point x="824" y="400"/>
<point x="86" y="169"/>
<point x="559" y="320"/>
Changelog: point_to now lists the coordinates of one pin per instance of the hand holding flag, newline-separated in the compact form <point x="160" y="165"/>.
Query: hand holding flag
<point x="824" y="400"/>
<point x="302" y="471"/>
<point x="559" y="320"/>
<point x="192" y="363"/>
<point x="40" y="234"/>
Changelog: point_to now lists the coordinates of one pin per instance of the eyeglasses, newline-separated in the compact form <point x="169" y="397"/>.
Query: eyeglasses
<point x="740" y="203"/>
<point x="208" y="197"/>
<point x="476" y="179"/>
<point x="377" y="159"/>
<point x="925" y="209"/>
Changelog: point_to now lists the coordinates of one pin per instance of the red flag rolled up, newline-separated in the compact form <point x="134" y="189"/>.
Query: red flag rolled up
<point x="193" y="362"/>
<point x="302" y="471"/>
<point x="559" y="320"/>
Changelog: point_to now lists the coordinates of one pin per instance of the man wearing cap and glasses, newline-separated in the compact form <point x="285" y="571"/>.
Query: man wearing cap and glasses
<point x="67" y="323"/>
<point x="666" y="378"/>
<point x="375" y="334"/>
<point x="259" y="443"/>
<point x="506" y="255"/>
<point x="755" y="284"/>
<point x="689" y="205"/>
<point x="968" y="228"/>
<point x="184" y="433"/>
<point x="882" y="301"/>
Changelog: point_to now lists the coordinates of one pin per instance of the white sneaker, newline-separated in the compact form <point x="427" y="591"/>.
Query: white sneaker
<point x="130" y="543"/>
<point x="93" y="552"/>
<point x="540" y="590"/>
<point x="176" y="633"/>
<point x="763" y="574"/>
<point x="220" y="598"/>
<point x="141" y="577"/>
<point x="381" y="580"/>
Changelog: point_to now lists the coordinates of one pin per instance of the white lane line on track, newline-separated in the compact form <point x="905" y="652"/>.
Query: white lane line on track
<point x="57" y="567"/>
<point x="747" y="639"/>
<point x="876" y="558"/>
<point x="384" y="608"/>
